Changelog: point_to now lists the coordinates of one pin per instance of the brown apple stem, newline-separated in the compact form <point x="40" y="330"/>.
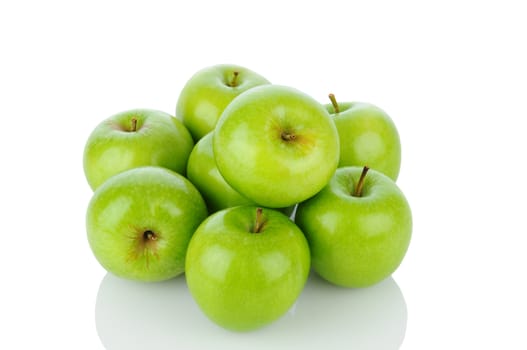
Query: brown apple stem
<point x="234" y="79"/>
<point x="334" y="103"/>
<point x="134" y="124"/>
<point x="258" y="225"/>
<point x="358" y="189"/>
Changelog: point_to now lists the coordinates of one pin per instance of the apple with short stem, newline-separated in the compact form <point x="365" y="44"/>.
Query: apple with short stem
<point x="134" y="138"/>
<point x="246" y="266"/>
<point x="358" y="227"/>
<point x="367" y="136"/>
<point x="276" y="145"/>
<point x="140" y="221"/>
<point x="209" y="91"/>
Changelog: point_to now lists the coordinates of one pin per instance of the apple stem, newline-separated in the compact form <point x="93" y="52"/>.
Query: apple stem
<point x="358" y="189"/>
<point x="334" y="103"/>
<point x="233" y="82"/>
<point x="258" y="225"/>
<point x="134" y="124"/>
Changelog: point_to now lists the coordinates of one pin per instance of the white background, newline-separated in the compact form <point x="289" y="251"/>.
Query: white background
<point x="452" y="74"/>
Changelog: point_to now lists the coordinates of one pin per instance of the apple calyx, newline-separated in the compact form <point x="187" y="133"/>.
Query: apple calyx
<point x="234" y="79"/>
<point x="259" y="222"/>
<point x="287" y="136"/>
<point x="334" y="103"/>
<point x="149" y="236"/>
<point x="360" y="184"/>
<point x="145" y="246"/>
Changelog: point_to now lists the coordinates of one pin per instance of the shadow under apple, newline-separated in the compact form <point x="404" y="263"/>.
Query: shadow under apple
<point x="134" y="315"/>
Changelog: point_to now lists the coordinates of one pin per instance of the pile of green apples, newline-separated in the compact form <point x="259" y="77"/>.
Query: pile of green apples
<point x="244" y="191"/>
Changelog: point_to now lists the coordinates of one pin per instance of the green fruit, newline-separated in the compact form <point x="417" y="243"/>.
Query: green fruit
<point x="209" y="91"/>
<point x="357" y="237"/>
<point x="203" y="173"/>
<point x="368" y="136"/>
<point x="140" y="221"/>
<point x="247" y="266"/>
<point x="276" y="146"/>
<point x="135" y="138"/>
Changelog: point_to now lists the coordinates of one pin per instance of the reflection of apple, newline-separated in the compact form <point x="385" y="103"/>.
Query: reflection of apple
<point x="358" y="227"/>
<point x="133" y="316"/>
<point x="140" y="221"/>
<point x="135" y="138"/>
<point x="209" y="91"/>
<point x="246" y="266"/>
<point x="364" y="318"/>
<point x="276" y="145"/>
<point x="368" y="136"/>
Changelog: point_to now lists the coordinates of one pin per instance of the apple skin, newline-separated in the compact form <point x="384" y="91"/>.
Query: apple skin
<point x="113" y="146"/>
<point x="368" y="136"/>
<point x="140" y="221"/>
<point x="208" y="92"/>
<point x="243" y="280"/>
<point x="276" y="145"/>
<point x="204" y="174"/>
<point x="356" y="241"/>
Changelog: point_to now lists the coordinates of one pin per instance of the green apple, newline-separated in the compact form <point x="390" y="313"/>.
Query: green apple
<point x="276" y="145"/>
<point x="203" y="173"/>
<point x="246" y="266"/>
<point x="140" y="221"/>
<point x="135" y="138"/>
<point x="367" y="136"/>
<point x="358" y="227"/>
<point x="209" y="91"/>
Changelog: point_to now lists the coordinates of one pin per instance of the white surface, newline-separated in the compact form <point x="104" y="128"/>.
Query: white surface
<point x="451" y="74"/>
